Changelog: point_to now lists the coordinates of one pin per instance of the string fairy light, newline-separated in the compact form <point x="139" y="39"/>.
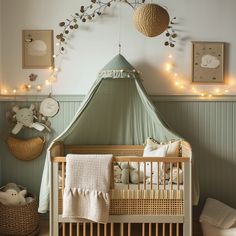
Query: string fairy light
<point x="168" y="67"/>
<point x="38" y="88"/>
<point x="26" y="87"/>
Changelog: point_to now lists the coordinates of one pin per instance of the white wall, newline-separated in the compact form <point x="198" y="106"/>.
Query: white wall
<point x="97" y="42"/>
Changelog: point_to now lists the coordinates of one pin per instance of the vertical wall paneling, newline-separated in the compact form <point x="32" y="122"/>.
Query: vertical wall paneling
<point x="210" y="127"/>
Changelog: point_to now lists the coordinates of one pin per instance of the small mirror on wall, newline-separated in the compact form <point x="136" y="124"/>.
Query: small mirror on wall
<point x="208" y="62"/>
<point x="37" y="50"/>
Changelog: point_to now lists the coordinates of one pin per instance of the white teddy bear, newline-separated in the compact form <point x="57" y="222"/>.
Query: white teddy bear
<point x="25" y="117"/>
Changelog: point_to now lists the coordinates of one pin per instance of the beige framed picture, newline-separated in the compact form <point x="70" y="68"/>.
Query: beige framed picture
<point x="37" y="49"/>
<point x="208" y="62"/>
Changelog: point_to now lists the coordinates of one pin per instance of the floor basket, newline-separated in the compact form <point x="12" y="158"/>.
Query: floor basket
<point x="19" y="220"/>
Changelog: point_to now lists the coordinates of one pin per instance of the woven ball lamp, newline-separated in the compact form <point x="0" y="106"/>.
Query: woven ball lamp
<point x="151" y="19"/>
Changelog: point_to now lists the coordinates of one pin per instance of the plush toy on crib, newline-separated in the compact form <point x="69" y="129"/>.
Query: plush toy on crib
<point x="129" y="173"/>
<point x="12" y="195"/>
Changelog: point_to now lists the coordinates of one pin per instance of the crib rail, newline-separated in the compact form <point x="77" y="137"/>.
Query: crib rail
<point x="62" y="159"/>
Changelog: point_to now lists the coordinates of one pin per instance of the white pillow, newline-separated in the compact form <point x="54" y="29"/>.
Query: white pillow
<point x="148" y="152"/>
<point x="173" y="149"/>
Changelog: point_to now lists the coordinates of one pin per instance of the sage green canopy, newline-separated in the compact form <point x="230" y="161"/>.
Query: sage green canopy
<point x="117" y="110"/>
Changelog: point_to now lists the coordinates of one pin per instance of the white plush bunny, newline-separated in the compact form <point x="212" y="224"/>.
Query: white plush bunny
<point x="13" y="198"/>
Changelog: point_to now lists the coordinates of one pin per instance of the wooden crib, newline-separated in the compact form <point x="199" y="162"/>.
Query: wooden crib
<point x="146" y="208"/>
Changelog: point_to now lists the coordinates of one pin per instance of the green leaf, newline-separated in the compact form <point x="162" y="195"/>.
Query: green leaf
<point x="62" y="24"/>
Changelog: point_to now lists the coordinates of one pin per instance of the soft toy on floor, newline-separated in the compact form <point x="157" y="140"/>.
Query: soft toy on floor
<point x="12" y="195"/>
<point x="11" y="186"/>
<point x="130" y="174"/>
<point x="25" y="117"/>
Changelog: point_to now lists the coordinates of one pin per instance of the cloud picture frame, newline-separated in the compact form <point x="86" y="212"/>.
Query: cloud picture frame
<point x="37" y="49"/>
<point x="208" y="62"/>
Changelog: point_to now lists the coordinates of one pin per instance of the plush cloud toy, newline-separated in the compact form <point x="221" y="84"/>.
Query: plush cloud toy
<point x="13" y="198"/>
<point x="25" y="117"/>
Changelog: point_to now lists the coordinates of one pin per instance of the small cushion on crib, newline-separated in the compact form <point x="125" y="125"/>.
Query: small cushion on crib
<point x="172" y="147"/>
<point x="159" y="152"/>
<point x="175" y="179"/>
<point x="117" y="174"/>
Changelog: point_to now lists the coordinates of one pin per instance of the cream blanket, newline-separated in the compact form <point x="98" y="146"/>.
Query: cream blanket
<point x="87" y="187"/>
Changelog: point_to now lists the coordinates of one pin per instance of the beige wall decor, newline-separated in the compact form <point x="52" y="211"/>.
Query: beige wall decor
<point x="37" y="50"/>
<point x="208" y="62"/>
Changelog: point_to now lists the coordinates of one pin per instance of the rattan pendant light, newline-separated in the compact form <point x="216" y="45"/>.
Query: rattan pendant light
<point x="151" y="19"/>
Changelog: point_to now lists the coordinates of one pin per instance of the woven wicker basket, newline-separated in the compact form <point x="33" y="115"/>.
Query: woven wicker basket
<point x="19" y="220"/>
<point x="25" y="150"/>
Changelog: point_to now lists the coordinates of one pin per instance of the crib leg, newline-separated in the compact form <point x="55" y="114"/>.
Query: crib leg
<point x="187" y="227"/>
<point x="54" y="231"/>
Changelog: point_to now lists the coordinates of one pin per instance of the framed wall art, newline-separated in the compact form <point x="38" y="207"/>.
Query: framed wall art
<point x="37" y="49"/>
<point x="208" y="62"/>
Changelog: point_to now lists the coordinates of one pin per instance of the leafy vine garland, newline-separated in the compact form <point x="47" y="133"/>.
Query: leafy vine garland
<point x="97" y="8"/>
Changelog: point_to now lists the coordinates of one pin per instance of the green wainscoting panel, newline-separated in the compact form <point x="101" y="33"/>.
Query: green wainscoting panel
<point x="210" y="127"/>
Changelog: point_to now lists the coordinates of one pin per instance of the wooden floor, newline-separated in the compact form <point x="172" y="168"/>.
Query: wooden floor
<point x="44" y="228"/>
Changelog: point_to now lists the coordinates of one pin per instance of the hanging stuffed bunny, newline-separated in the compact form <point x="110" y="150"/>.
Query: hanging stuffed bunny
<point x="25" y="117"/>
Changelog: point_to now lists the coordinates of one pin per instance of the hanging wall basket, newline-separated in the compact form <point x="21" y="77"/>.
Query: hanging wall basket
<point x="151" y="19"/>
<point x="25" y="150"/>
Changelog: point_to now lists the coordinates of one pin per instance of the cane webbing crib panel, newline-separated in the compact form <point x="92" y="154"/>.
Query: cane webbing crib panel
<point x="146" y="207"/>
